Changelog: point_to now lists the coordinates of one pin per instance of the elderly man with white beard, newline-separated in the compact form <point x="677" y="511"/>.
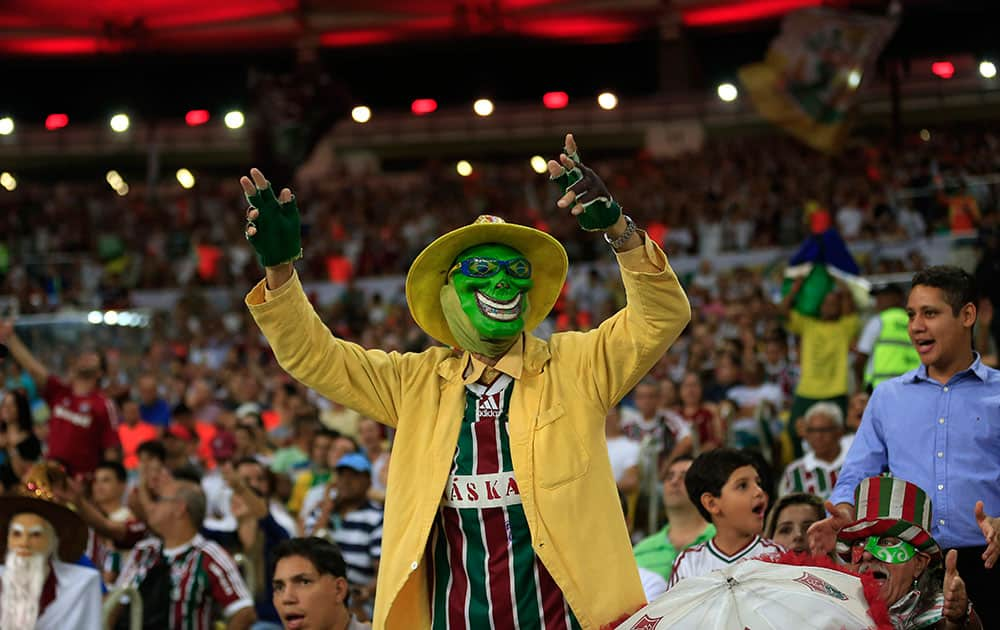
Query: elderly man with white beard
<point x="40" y="588"/>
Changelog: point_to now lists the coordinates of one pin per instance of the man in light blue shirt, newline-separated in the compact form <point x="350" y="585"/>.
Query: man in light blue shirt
<point x="938" y="427"/>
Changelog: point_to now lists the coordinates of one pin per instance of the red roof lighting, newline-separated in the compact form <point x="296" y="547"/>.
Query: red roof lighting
<point x="735" y="12"/>
<point x="423" y="106"/>
<point x="56" y="121"/>
<point x="555" y="100"/>
<point x="196" y="117"/>
<point x="943" y="69"/>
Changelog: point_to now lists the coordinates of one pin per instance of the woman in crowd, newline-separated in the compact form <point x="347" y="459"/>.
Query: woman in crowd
<point x="22" y="447"/>
<point x="703" y="416"/>
<point x="790" y="518"/>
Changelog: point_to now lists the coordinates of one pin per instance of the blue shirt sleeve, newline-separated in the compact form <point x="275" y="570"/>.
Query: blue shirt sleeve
<point x="867" y="457"/>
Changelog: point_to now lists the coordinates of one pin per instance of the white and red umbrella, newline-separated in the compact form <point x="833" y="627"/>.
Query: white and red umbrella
<point x="765" y="595"/>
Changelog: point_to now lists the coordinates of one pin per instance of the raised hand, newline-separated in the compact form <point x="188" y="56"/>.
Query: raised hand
<point x="990" y="526"/>
<point x="823" y="534"/>
<point x="956" y="600"/>
<point x="273" y="225"/>
<point x="584" y="192"/>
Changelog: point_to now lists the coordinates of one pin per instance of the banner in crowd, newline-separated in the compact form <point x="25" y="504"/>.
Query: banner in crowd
<point x="809" y="80"/>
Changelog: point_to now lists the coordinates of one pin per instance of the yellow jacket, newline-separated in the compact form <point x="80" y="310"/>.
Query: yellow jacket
<point x="556" y="429"/>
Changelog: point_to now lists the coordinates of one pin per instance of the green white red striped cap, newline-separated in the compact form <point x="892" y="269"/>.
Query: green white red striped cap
<point x="890" y="506"/>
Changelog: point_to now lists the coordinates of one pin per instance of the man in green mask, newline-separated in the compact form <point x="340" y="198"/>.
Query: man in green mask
<point x="501" y="508"/>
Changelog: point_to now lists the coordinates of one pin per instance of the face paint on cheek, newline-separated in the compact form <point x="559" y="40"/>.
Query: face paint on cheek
<point x="491" y="294"/>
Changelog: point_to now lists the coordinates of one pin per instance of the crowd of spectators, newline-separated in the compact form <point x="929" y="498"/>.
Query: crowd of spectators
<point x="203" y="403"/>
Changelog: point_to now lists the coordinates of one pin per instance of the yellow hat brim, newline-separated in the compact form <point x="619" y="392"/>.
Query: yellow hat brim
<point x="429" y="272"/>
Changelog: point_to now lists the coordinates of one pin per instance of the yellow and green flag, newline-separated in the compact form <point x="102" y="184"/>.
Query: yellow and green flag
<point x="809" y="80"/>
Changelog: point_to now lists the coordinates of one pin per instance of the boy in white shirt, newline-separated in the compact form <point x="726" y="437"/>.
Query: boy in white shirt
<point x="725" y="487"/>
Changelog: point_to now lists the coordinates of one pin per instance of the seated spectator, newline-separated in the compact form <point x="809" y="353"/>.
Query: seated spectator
<point x="108" y="492"/>
<point x="23" y="448"/>
<point x="790" y="518"/>
<point x="372" y="444"/>
<point x="258" y="532"/>
<point x="183" y="576"/>
<point x="132" y="432"/>
<point x="660" y="431"/>
<point x="707" y="429"/>
<point x="310" y="586"/>
<point x="354" y="523"/>
<point x="314" y="500"/>
<point x="294" y="458"/>
<point x="153" y="408"/>
<point x="891" y="541"/>
<point x="623" y="453"/>
<point x="685" y="526"/>
<point x="317" y="473"/>
<point x="725" y="487"/>
<point x="816" y="471"/>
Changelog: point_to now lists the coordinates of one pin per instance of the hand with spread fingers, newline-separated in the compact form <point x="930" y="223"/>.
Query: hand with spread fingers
<point x="273" y="225"/>
<point x="823" y="533"/>
<point x="585" y="192"/>
<point x="990" y="526"/>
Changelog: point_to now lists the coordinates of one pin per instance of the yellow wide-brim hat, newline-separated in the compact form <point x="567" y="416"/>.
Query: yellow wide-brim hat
<point x="429" y="272"/>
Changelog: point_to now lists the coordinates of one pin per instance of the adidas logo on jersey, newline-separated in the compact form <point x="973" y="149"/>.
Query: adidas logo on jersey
<point x="488" y="407"/>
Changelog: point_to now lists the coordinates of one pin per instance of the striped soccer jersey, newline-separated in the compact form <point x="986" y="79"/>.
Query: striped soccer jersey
<point x="811" y="475"/>
<point x="484" y="572"/>
<point x="706" y="557"/>
<point x="205" y="581"/>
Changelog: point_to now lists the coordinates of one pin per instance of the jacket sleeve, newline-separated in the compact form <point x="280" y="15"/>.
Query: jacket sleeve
<point x="619" y="352"/>
<point x="367" y="381"/>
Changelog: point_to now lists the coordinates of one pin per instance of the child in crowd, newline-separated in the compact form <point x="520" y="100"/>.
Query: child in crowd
<point x="725" y="487"/>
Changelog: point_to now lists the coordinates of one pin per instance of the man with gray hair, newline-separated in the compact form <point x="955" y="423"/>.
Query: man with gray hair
<point x="186" y="581"/>
<point x="816" y="471"/>
<point x="40" y="587"/>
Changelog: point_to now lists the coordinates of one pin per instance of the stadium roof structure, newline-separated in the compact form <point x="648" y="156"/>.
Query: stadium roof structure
<point x="71" y="27"/>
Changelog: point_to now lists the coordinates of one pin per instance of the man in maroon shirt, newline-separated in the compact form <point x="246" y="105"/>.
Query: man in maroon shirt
<point x="82" y="424"/>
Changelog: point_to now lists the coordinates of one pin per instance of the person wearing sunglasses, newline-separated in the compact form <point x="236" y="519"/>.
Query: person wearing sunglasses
<point x="501" y="507"/>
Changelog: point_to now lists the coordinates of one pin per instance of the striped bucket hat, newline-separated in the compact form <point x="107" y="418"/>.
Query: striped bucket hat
<point x="889" y="506"/>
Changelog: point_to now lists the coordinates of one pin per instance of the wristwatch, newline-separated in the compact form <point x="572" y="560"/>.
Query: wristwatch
<point x="619" y="242"/>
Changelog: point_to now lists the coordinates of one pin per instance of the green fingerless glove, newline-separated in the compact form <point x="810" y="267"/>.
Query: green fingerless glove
<point x="600" y="210"/>
<point x="279" y="234"/>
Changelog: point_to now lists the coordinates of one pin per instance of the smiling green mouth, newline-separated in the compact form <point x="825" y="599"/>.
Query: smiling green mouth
<point x="500" y="311"/>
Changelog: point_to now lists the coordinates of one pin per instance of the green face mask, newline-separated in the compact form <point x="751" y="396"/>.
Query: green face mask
<point x="492" y="283"/>
<point x="896" y="553"/>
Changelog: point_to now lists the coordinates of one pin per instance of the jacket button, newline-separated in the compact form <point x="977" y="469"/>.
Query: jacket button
<point x="413" y="566"/>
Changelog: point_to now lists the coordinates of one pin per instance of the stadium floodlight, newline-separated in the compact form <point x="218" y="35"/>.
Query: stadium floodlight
<point x="607" y="100"/>
<point x="7" y="181"/>
<point x="483" y="107"/>
<point x="925" y="135"/>
<point x="234" y="119"/>
<point x="95" y="317"/>
<point x="987" y="69"/>
<point x="361" y="114"/>
<point x="111" y="318"/>
<point x="119" y="123"/>
<point x="854" y="78"/>
<point x="464" y="168"/>
<point x="727" y="92"/>
<point x="538" y="164"/>
<point x="185" y="178"/>
<point x="6" y="126"/>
